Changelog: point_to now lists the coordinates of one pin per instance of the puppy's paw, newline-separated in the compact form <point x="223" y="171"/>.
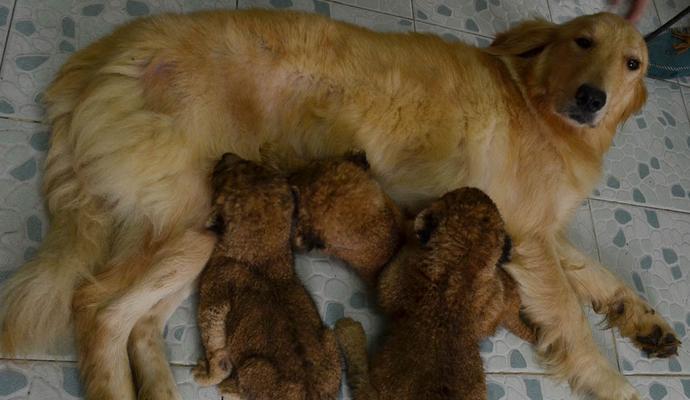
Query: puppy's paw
<point x="213" y="370"/>
<point x="230" y="389"/>
<point x="348" y="331"/>
<point x="200" y="371"/>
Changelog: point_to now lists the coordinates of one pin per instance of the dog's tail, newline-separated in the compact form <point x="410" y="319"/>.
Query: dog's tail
<point x="35" y="303"/>
<point x="352" y="341"/>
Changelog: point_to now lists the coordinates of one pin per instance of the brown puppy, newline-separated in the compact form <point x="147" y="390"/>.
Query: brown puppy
<point x="443" y="295"/>
<point x="259" y="326"/>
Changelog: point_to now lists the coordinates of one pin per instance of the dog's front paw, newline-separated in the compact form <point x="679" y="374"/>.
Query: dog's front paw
<point x="644" y="326"/>
<point x="659" y="341"/>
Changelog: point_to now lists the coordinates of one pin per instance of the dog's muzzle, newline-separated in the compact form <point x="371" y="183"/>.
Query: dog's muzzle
<point x="587" y="104"/>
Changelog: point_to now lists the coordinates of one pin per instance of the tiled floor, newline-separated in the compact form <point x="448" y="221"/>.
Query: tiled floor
<point x="637" y="221"/>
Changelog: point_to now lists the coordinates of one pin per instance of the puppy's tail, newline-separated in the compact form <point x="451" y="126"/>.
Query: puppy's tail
<point x="353" y="344"/>
<point x="35" y="303"/>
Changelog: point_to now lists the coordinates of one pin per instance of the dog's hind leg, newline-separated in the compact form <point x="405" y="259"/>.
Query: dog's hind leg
<point x="565" y="342"/>
<point x="211" y="318"/>
<point x="623" y="308"/>
<point x="35" y="304"/>
<point x="107" y="310"/>
<point x="146" y="348"/>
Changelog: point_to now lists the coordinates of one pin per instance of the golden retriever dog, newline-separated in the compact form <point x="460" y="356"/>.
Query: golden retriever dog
<point x="140" y="117"/>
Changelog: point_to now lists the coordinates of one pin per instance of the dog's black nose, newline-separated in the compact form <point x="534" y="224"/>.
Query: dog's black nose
<point x="590" y="99"/>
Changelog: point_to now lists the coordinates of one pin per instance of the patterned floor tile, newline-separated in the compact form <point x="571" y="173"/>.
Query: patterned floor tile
<point x="649" y="162"/>
<point x="650" y="250"/>
<point x="6" y="7"/>
<point x="358" y="16"/>
<point x="22" y="219"/>
<point x="181" y="334"/>
<point x="395" y="7"/>
<point x="45" y="33"/>
<point x="526" y="387"/>
<point x="662" y="388"/>
<point x="564" y="10"/>
<point x="539" y="387"/>
<point x="453" y="35"/>
<point x="60" y="381"/>
<point x="486" y="17"/>
<point x="668" y="9"/>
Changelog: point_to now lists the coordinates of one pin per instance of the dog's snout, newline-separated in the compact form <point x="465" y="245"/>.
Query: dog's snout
<point x="590" y="99"/>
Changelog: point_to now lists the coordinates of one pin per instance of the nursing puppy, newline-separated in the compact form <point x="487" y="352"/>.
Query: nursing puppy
<point x="140" y="117"/>
<point x="261" y="332"/>
<point x="442" y="294"/>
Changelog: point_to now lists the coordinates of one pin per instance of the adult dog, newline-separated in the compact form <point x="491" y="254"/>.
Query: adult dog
<point x="140" y="117"/>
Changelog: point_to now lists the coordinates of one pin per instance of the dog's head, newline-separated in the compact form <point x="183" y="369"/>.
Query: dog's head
<point x="344" y="212"/>
<point x="253" y="209"/>
<point x="587" y="71"/>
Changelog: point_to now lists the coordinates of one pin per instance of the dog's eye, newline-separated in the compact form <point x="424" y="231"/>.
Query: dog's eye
<point x="584" y="42"/>
<point x="633" y="64"/>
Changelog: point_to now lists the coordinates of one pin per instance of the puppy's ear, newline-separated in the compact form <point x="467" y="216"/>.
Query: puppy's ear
<point x="358" y="158"/>
<point x="230" y="159"/>
<point x="525" y="40"/>
<point x="425" y="225"/>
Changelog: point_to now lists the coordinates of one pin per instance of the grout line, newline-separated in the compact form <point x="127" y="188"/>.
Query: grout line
<point x="685" y="104"/>
<point x="414" y="18"/>
<point x="658" y="14"/>
<point x="35" y="360"/>
<point x="548" y="6"/>
<point x="458" y="30"/>
<point x="15" y="119"/>
<point x="594" y="230"/>
<point x="7" y="37"/>
<point x="369" y="9"/>
<point x="181" y="364"/>
<point x="619" y="362"/>
<point x="641" y="205"/>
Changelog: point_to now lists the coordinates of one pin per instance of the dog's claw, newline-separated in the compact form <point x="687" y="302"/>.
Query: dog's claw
<point x="658" y="344"/>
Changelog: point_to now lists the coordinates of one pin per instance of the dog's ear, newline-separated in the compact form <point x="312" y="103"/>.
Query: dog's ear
<point x="359" y="158"/>
<point x="425" y="225"/>
<point x="525" y="40"/>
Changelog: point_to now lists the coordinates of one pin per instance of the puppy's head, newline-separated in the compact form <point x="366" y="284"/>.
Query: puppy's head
<point x="253" y="209"/>
<point x="587" y="71"/>
<point x="463" y="232"/>
<point x="344" y="212"/>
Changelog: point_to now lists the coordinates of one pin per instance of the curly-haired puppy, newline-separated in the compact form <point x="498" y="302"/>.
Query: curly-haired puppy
<point x="443" y="294"/>
<point x="261" y="331"/>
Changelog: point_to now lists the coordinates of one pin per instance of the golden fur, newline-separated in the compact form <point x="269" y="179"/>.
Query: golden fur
<point x="139" y="118"/>
<point x="442" y="295"/>
<point x="262" y="334"/>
